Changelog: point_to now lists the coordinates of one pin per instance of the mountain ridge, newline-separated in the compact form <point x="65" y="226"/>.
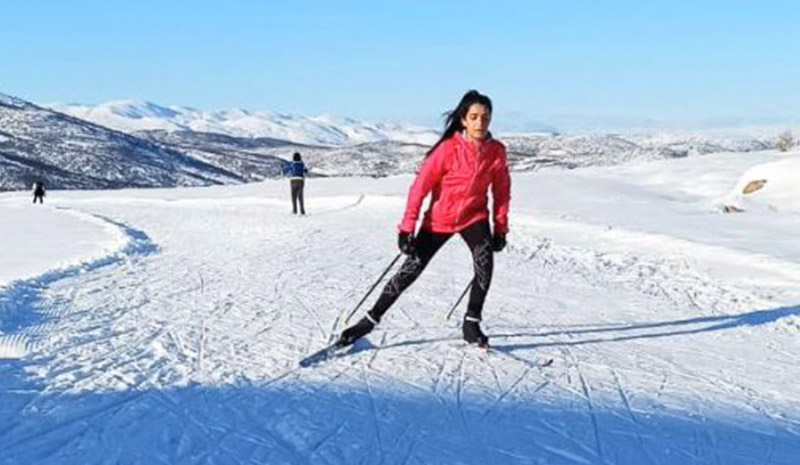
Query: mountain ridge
<point x="38" y="143"/>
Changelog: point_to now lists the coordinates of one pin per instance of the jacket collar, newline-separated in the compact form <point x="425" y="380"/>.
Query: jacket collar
<point x="462" y="139"/>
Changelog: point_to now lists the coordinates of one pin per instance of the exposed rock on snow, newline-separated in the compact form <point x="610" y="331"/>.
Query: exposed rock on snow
<point x="771" y="186"/>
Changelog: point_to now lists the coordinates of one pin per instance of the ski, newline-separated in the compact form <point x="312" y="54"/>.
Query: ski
<point x="538" y="363"/>
<point x="336" y="350"/>
<point x="326" y="353"/>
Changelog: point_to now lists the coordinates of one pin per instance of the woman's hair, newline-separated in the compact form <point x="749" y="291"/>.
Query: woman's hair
<point x="452" y="123"/>
<point x="296" y="156"/>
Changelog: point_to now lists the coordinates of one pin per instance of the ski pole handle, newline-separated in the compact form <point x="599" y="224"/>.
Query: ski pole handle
<point x="450" y="313"/>
<point x="353" y="311"/>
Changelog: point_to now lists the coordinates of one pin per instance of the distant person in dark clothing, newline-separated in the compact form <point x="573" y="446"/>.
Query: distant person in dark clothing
<point x="296" y="170"/>
<point x="38" y="192"/>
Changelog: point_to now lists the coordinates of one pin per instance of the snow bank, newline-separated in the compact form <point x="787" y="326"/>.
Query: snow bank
<point x="41" y="239"/>
<point x="773" y="186"/>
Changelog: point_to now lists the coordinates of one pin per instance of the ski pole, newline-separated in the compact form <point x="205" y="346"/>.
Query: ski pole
<point x="450" y="313"/>
<point x="353" y="311"/>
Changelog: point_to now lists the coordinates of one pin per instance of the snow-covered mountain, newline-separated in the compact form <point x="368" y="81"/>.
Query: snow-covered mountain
<point x="389" y="158"/>
<point x="250" y="158"/>
<point x="70" y="153"/>
<point x="343" y="146"/>
<point x="137" y="115"/>
<point x="530" y="152"/>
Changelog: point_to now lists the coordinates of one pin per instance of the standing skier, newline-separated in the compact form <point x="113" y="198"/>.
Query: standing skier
<point x="297" y="173"/>
<point x="458" y="171"/>
<point x="38" y="192"/>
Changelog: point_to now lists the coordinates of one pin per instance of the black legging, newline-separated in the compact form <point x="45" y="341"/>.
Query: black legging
<point x="478" y="237"/>
<point x="297" y="195"/>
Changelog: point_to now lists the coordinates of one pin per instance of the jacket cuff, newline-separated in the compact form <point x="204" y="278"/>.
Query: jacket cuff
<point x="407" y="226"/>
<point x="500" y="229"/>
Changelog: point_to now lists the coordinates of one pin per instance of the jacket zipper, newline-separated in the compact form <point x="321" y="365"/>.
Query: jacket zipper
<point x="469" y="187"/>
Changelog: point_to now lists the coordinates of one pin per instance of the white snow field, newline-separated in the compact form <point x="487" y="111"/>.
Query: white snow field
<point x="166" y="326"/>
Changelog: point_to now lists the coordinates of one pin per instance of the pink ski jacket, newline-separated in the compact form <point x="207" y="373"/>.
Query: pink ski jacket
<point x="459" y="174"/>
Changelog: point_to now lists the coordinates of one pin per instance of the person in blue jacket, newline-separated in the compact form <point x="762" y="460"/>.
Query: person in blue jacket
<point x="296" y="170"/>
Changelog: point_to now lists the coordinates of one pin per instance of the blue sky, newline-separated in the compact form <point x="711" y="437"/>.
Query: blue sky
<point x="676" y="60"/>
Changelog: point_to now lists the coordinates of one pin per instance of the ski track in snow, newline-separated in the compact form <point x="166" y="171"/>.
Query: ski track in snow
<point x="21" y="302"/>
<point x="183" y="348"/>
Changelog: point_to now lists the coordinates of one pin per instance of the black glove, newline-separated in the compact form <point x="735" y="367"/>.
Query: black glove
<point x="406" y="243"/>
<point x="498" y="242"/>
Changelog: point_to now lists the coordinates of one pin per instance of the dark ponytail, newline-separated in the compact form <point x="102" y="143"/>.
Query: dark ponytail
<point x="452" y="123"/>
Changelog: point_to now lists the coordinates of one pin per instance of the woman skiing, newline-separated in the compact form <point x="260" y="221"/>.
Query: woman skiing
<point x="458" y="172"/>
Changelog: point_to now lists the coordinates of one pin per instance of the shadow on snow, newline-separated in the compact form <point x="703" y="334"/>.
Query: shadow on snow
<point x="297" y="423"/>
<point x="596" y="334"/>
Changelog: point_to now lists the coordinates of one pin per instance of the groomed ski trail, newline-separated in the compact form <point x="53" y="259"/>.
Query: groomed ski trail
<point x="188" y="354"/>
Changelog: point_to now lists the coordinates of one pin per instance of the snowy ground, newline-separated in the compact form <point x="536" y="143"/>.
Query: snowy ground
<point x="165" y="326"/>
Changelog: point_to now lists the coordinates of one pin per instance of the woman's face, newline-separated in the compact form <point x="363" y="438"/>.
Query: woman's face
<point x="476" y="121"/>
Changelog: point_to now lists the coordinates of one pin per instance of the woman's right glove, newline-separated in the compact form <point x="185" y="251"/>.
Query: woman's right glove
<point x="498" y="242"/>
<point x="406" y="243"/>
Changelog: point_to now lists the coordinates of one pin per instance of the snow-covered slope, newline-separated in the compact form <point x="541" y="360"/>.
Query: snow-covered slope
<point x="136" y="115"/>
<point x="674" y="328"/>
<point x="250" y="158"/>
<point x="66" y="152"/>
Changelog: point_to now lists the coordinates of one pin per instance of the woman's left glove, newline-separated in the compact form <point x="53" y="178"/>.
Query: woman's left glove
<point x="498" y="242"/>
<point x="405" y="241"/>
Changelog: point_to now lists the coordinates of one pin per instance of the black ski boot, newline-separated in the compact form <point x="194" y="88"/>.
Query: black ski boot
<point x="473" y="333"/>
<point x="357" y="331"/>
